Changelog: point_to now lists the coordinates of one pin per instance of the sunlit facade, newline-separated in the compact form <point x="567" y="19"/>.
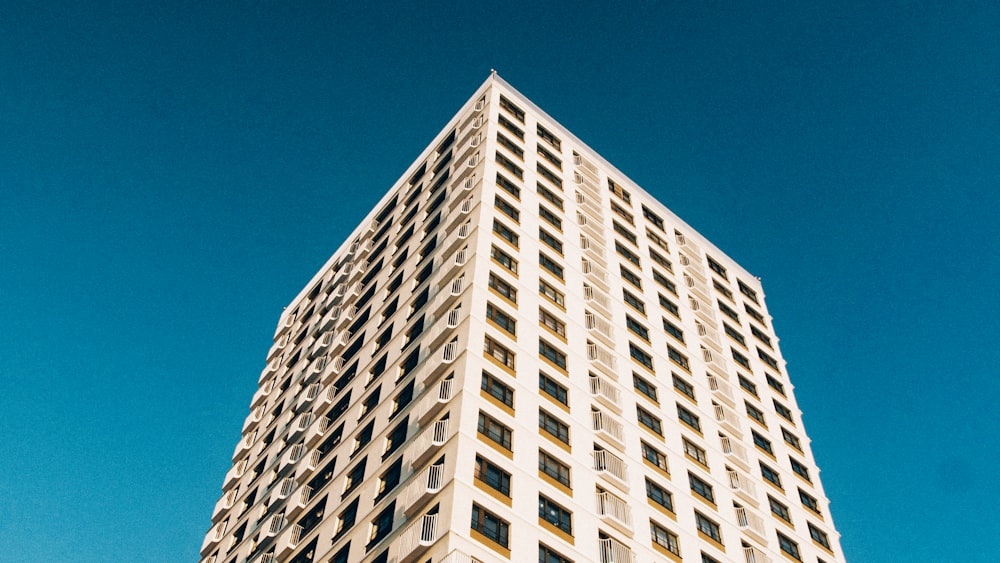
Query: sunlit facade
<point x="520" y="353"/>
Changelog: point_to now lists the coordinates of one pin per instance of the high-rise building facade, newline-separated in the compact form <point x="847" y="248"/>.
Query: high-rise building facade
<point x="520" y="353"/>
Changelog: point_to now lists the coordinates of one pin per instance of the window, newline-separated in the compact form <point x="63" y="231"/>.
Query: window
<point x="553" y="426"/>
<point x="701" y="488"/>
<point x="722" y="289"/>
<point x="548" y="555"/>
<point x="678" y="358"/>
<point x="550" y="353"/>
<point x="791" y="439"/>
<point x="490" y="525"/>
<point x="346" y="519"/>
<point x="732" y="333"/>
<point x="637" y="328"/>
<point x="647" y="419"/>
<point x="809" y="501"/>
<point x="673" y="330"/>
<point x="549" y="240"/>
<point x="664" y="282"/>
<point x="664" y="538"/>
<point x="626" y="253"/>
<point x="760" y="335"/>
<point x="748" y="385"/>
<point x="549" y="138"/>
<point x="492" y="475"/>
<point x="799" y="469"/>
<point x="630" y="277"/>
<point x="728" y="311"/>
<point x="509" y="126"/>
<point x="503" y="288"/>
<point x="652" y="217"/>
<point x="682" y="385"/>
<point x="354" y="478"/>
<point x="550" y="217"/>
<point x="767" y="359"/>
<point x="415" y="330"/>
<point x="639" y="355"/>
<point x="498" y="352"/>
<point x="634" y="301"/>
<point x="746" y="290"/>
<point x="510" y="145"/>
<point x="670" y="306"/>
<point x="549" y="175"/>
<point x="819" y="536"/>
<point x="497" y="389"/>
<point x="654" y="456"/>
<point x="659" y="259"/>
<point x="659" y="495"/>
<point x="774" y="383"/>
<point x="553" y="159"/>
<point x="395" y="439"/>
<point x="507" y="209"/>
<point x="754" y="314"/>
<point x="655" y="239"/>
<point x="505" y="233"/>
<point x="509" y="165"/>
<point x="695" y="452"/>
<point x="762" y="442"/>
<point x="755" y="413"/>
<point x="501" y="319"/>
<point x="368" y="404"/>
<point x="390" y="479"/>
<point x="551" y="293"/>
<point x="381" y="525"/>
<point x="689" y="418"/>
<point x="495" y="431"/>
<point x="550" y="265"/>
<point x="779" y="509"/>
<point x="708" y="559"/>
<point x="550" y="321"/>
<point x="553" y="389"/>
<point x="549" y="196"/>
<point x="619" y="191"/>
<point x="645" y="387"/>
<point x="717" y="268"/>
<point x="554" y="468"/>
<point x="363" y="437"/>
<point x="788" y="546"/>
<point x="621" y="212"/>
<point x="770" y="474"/>
<point x="503" y="259"/>
<point x="554" y="514"/>
<point x="403" y="399"/>
<point x="783" y="411"/>
<point x="740" y="359"/>
<point x="625" y="233"/>
<point x="508" y="186"/>
<point x="510" y="108"/>
<point x="707" y="526"/>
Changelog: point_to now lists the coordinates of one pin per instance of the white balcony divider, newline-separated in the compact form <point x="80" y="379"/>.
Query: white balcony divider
<point x="612" y="506"/>
<point x="594" y="271"/>
<point x="462" y="256"/>
<point x="306" y="419"/>
<point x="613" y="551"/>
<point x="607" y="462"/>
<point x="286" y="487"/>
<point x="603" y="422"/>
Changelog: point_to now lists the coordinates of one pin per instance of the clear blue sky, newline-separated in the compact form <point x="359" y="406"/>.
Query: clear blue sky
<point x="172" y="173"/>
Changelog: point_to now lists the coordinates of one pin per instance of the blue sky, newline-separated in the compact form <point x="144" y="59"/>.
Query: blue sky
<point x="171" y="174"/>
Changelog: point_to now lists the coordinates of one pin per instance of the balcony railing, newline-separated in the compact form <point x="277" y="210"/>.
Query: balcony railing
<point x="598" y="324"/>
<point x="429" y="441"/>
<point x="753" y="555"/>
<point x="603" y="358"/>
<point x="604" y="423"/>
<point x="727" y="417"/>
<point x="613" y="551"/>
<point x="450" y="352"/>
<point x="614" y="508"/>
<point x="742" y="484"/>
<point x="434" y="400"/>
<point x="418" y="537"/>
<point x="608" y="463"/>
<point x="734" y="449"/>
<point x="748" y="520"/>
<point x="428" y="483"/>
<point x="605" y="391"/>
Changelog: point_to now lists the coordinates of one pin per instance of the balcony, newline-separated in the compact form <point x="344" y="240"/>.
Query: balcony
<point x="607" y="427"/>
<point x="727" y="418"/>
<point x="721" y="389"/>
<point x="614" y="511"/>
<point x="743" y="486"/>
<point x="591" y="227"/>
<point x="317" y="431"/>
<point x="288" y="541"/>
<point x="603" y="359"/>
<point x="599" y="326"/>
<point x="611" y="550"/>
<point x="591" y="206"/>
<point x="750" y="522"/>
<point x="449" y="352"/>
<point x="703" y="310"/>
<point x="714" y="360"/>
<point x="425" y="485"/>
<point x="611" y="466"/>
<point x="753" y="555"/>
<point x="418" y="537"/>
<point x="298" y="501"/>
<point x="735" y="451"/>
<point x="605" y="392"/>
<point x="595" y="297"/>
<point x="709" y="336"/>
<point x="434" y="400"/>
<point x="428" y="442"/>
<point x="595" y="273"/>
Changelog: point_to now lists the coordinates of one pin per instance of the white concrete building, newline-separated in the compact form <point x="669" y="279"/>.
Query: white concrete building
<point x="520" y="353"/>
